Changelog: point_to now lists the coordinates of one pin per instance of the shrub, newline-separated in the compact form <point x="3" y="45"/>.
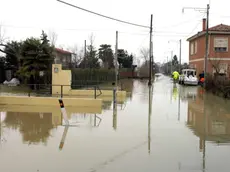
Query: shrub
<point x="217" y="84"/>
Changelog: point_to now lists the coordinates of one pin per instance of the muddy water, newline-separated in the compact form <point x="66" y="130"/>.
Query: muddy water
<point x="182" y="129"/>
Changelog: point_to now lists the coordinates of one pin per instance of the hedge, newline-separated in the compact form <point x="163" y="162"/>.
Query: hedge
<point x="87" y="77"/>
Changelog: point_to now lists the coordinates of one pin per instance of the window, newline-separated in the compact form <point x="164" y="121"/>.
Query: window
<point x="220" y="44"/>
<point x="218" y="127"/>
<point x="192" y="48"/>
<point x="195" y="47"/>
<point x="222" y="68"/>
<point x="184" y="73"/>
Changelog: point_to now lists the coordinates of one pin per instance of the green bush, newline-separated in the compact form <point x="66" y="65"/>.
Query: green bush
<point x="87" y="77"/>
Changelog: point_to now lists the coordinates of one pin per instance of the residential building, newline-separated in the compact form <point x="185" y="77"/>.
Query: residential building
<point x="62" y="57"/>
<point x="218" y="49"/>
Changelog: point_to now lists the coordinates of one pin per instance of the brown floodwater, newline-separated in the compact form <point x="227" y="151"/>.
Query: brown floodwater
<point x="166" y="128"/>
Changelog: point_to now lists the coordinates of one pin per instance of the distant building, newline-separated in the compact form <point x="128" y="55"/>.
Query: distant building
<point x="219" y="49"/>
<point x="62" y="57"/>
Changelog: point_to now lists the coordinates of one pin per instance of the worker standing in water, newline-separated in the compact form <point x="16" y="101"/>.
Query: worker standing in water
<point x="175" y="76"/>
<point x="201" y="80"/>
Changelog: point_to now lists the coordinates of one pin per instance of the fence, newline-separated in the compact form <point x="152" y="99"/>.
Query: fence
<point x="45" y="90"/>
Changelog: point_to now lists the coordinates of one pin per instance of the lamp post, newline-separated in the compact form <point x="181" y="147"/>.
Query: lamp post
<point x="171" y="54"/>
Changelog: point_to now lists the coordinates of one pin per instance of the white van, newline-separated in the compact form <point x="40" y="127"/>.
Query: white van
<point x="188" y="77"/>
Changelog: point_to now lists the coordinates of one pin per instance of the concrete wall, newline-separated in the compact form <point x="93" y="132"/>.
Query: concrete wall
<point x="50" y="109"/>
<point x="50" y="101"/>
<point x="92" y="92"/>
<point x="60" y="77"/>
<point x="64" y="77"/>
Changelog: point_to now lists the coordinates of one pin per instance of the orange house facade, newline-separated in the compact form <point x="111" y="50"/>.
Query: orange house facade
<point x="218" y="49"/>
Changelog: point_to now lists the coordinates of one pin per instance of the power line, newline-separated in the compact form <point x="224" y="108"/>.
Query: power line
<point x="181" y="23"/>
<point x="163" y="32"/>
<point x="101" y="15"/>
<point x="195" y="27"/>
<point x="97" y="30"/>
<point x="75" y="29"/>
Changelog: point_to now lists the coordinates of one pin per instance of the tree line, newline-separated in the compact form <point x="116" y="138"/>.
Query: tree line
<point x="33" y="57"/>
<point x="173" y="65"/>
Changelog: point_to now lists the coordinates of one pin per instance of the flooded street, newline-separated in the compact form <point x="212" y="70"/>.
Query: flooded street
<point x="186" y="131"/>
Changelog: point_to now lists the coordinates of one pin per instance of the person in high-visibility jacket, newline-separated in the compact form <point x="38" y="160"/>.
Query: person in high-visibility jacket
<point x="176" y="76"/>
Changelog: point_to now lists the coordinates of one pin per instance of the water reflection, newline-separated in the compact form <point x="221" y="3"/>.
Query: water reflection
<point x="113" y="139"/>
<point x="36" y="123"/>
<point x="34" y="127"/>
<point x="179" y="101"/>
<point x="96" y="118"/>
<point x="208" y="117"/>
<point x="127" y="85"/>
<point x="115" y="115"/>
<point x="61" y="145"/>
<point x="149" y="117"/>
<point x="175" y="92"/>
<point x="189" y="92"/>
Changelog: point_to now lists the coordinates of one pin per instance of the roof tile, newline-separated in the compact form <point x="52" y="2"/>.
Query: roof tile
<point x="221" y="28"/>
<point x="62" y="51"/>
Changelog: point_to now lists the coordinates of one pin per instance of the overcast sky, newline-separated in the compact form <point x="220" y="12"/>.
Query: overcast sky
<point x="25" y="18"/>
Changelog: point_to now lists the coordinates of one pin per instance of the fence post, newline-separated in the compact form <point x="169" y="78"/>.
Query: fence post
<point x="51" y="89"/>
<point x="63" y="110"/>
<point x="61" y="91"/>
<point x="95" y="92"/>
<point x="114" y="97"/>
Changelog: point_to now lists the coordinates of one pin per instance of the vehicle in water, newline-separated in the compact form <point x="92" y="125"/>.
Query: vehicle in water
<point x="188" y="77"/>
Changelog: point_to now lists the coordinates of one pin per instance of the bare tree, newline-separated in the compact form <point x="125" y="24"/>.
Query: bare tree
<point x="144" y="52"/>
<point x="216" y="65"/>
<point x="3" y="37"/>
<point x="78" y="54"/>
<point x="144" y="68"/>
<point x="52" y="36"/>
<point x="91" y="39"/>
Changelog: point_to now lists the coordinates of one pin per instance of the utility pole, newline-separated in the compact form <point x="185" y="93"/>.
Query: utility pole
<point x="171" y="62"/>
<point x="179" y="104"/>
<point x="116" y="66"/>
<point x="85" y="54"/>
<point x="116" y="73"/>
<point x="206" y="41"/>
<point x="149" y="118"/>
<point x="180" y="58"/>
<point x="152" y="58"/>
<point x="85" y="49"/>
<point x="167" y="65"/>
<point x="0" y="128"/>
<point x="150" y="51"/>
<point x="206" y="47"/>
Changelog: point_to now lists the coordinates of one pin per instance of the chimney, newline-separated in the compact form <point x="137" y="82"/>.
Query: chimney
<point x="204" y="24"/>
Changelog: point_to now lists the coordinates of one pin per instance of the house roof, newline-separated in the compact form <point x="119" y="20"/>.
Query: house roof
<point x="62" y="51"/>
<point x="218" y="29"/>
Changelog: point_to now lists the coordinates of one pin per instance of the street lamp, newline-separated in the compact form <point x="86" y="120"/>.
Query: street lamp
<point x="207" y="33"/>
<point x="171" y="52"/>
